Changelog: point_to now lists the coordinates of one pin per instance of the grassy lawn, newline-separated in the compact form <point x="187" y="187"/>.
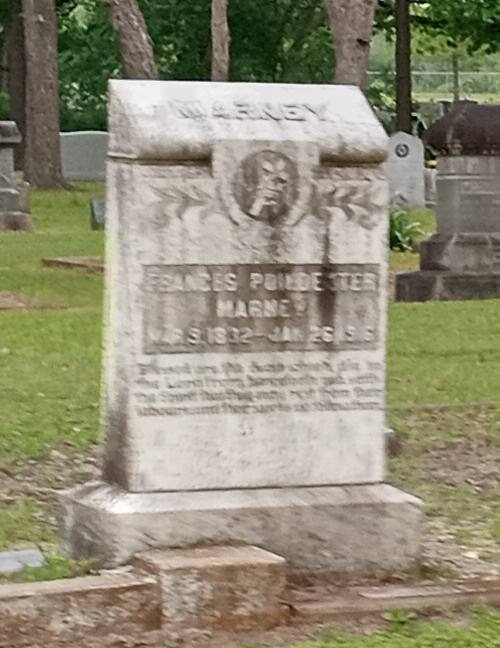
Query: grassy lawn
<point x="480" y="630"/>
<point x="443" y="394"/>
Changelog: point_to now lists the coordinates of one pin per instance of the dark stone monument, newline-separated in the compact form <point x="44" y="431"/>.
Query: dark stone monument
<point x="462" y="259"/>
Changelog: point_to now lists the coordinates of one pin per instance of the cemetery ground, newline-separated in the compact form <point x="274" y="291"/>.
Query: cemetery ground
<point x="443" y="397"/>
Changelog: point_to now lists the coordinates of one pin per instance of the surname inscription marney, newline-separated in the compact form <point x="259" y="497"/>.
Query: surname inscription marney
<point x="252" y="110"/>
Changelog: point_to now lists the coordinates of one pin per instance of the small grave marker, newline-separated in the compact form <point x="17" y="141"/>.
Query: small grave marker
<point x="97" y="213"/>
<point x="405" y="171"/>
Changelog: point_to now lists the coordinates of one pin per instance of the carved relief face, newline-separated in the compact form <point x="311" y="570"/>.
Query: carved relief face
<point x="266" y="186"/>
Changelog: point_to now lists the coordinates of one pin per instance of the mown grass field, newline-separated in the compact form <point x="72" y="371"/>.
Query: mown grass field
<point x="443" y="391"/>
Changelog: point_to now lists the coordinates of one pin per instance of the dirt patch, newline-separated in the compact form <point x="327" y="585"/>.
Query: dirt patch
<point x="20" y="301"/>
<point x="450" y="459"/>
<point x="86" y="264"/>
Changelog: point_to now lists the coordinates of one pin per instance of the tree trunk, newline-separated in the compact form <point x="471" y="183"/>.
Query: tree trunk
<point x="220" y="41"/>
<point x="42" y="161"/>
<point x="16" y="77"/>
<point x="403" y="66"/>
<point x="134" y="41"/>
<point x="351" y="22"/>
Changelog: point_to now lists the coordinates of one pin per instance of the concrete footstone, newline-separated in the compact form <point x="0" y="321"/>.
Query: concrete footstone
<point x="224" y="588"/>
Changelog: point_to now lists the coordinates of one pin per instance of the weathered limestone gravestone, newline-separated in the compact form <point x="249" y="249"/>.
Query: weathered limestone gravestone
<point x="14" y="192"/>
<point x="245" y="368"/>
<point x="462" y="259"/>
<point x="405" y="171"/>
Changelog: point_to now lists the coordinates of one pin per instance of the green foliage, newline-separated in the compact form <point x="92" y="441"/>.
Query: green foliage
<point x="396" y="618"/>
<point x="88" y="57"/>
<point x="271" y="40"/>
<point x="459" y="21"/>
<point x="403" y="231"/>
<point x="477" y="23"/>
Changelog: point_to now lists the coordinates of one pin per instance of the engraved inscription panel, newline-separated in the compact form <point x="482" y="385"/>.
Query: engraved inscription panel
<point x="260" y="386"/>
<point x="261" y="307"/>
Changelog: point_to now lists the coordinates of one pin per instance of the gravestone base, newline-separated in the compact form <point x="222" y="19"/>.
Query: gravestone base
<point x="15" y="221"/>
<point x="464" y="265"/>
<point x="461" y="252"/>
<point x="330" y="531"/>
<point x="427" y="285"/>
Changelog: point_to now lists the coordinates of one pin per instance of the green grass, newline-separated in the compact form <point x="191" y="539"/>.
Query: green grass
<point x="444" y="352"/>
<point x="22" y="525"/>
<point x="50" y="358"/>
<point x="481" y="629"/>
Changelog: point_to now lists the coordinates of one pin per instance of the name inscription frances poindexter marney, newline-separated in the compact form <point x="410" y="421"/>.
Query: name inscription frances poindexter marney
<point x="264" y="307"/>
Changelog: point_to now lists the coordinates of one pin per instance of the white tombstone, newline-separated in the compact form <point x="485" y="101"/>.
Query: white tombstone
<point x="405" y="171"/>
<point x="244" y="383"/>
<point x="83" y="155"/>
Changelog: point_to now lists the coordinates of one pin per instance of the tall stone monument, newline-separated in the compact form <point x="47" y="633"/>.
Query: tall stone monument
<point x="244" y="381"/>
<point x="14" y="192"/>
<point x="462" y="259"/>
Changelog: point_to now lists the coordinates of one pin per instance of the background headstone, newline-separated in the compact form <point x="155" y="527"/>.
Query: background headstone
<point x="405" y="171"/>
<point x="14" y="196"/>
<point x="244" y="383"/>
<point x="83" y="155"/>
<point x="462" y="259"/>
<point x="97" y="213"/>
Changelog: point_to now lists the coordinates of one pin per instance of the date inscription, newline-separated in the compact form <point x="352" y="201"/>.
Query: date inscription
<point x="248" y="308"/>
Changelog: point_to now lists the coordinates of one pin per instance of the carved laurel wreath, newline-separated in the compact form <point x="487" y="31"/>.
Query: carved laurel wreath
<point x="360" y="202"/>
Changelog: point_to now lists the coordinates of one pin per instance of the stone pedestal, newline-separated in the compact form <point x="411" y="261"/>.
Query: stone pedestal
<point x="462" y="260"/>
<point x="14" y="195"/>
<point x="244" y="381"/>
<point x="329" y="531"/>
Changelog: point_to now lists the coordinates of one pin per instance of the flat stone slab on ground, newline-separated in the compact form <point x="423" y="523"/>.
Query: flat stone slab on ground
<point x="14" y="561"/>
<point x="90" y="264"/>
<point x="19" y="301"/>
<point x="114" y="610"/>
<point x="89" y="608"/>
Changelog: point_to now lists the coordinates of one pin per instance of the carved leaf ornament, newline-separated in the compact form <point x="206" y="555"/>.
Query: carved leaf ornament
<point x="360" y="201"/>
<point x="180" y="200"/>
